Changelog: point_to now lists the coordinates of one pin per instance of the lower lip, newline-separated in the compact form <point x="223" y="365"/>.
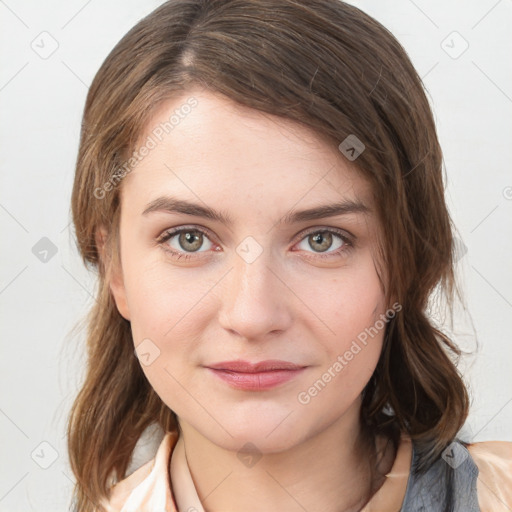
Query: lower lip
<point x="256" y="381"/>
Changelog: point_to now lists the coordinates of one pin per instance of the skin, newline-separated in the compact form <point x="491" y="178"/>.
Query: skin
<point x="289" y="304"/>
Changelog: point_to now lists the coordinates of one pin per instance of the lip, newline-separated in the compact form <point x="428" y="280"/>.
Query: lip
<point x="255" y="376"/>
<point x="261" y="366"/>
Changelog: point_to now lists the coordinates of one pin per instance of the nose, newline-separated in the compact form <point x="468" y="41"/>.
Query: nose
<point x="255" y="301"/>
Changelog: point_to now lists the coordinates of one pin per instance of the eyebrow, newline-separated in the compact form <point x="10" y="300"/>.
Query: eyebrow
<point x="173" y="205"/>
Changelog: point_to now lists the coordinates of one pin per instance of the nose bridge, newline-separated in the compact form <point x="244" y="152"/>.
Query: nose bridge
<point x="254" y="301"/>
<point x="252" y="280"/>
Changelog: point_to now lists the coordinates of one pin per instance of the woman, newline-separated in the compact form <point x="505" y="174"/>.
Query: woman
<point x="259" y="185"/>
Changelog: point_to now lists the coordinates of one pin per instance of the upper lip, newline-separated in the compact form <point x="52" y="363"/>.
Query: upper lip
<point x="261" y="366"/>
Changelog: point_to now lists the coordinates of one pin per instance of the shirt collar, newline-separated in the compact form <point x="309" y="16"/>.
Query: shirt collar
<point x="389" y="497"/>
<point x="183" y="488"/>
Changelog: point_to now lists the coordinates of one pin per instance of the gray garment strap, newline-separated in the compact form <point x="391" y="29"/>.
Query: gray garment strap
<point x="449" y="484"/>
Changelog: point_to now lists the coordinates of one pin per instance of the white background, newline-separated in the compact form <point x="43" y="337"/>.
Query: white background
<point x="41" y="102"/>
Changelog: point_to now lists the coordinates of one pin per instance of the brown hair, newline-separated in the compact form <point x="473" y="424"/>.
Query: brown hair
<point x="321" y="63"/>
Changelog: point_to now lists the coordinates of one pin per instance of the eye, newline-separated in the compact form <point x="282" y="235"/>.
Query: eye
<point x="329" y="241"/>
<point x="181" y="241"/>
<point x="185" y="241"/>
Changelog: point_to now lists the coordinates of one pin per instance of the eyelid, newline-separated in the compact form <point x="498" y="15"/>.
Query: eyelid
<point x="347" y="237"/>
<point x="343" y="233"/>
<point x="170" y="232"/>
<point x="296" y="238"/>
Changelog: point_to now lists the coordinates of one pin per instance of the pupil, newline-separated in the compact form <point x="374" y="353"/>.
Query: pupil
<point x="192" y="239"/>
<point x="323" y="240"/>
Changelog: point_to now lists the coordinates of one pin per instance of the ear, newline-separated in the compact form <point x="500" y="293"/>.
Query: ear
<point x="113" y="272"/>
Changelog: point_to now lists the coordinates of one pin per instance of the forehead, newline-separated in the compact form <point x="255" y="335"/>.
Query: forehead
<point x="204" y="146"/>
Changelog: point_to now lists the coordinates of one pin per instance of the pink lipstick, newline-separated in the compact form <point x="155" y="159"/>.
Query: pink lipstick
<point x="255" y="376"/>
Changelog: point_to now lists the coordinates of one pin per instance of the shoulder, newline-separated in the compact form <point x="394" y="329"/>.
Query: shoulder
<point x="140" y="487"/>
<point x="468" y="477"/>
<point x="494" y="485"/>
<point x="121" y="491"/>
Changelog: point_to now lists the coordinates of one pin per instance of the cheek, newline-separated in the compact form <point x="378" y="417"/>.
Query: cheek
<point x="346" y="304"/>
<point x="164" y="308"/>
<point x="159" y="295"/>
<point x="351" y="306"/>
<point x="350" y="358"/>
<point x="167" y="323"/>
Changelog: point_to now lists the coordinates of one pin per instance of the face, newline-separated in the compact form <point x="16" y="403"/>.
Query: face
<point x="229" y="255"/>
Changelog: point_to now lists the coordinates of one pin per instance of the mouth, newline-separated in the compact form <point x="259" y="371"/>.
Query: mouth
<point x="255" y="376"/>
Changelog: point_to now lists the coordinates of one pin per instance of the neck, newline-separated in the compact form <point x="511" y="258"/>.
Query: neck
<point x="331" y="471"/>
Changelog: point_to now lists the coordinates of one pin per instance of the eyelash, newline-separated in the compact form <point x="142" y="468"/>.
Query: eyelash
<point x="167" y="235"/>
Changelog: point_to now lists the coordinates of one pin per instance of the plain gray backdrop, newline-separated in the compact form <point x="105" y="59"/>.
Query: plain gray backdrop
<point x="50" y="53"/>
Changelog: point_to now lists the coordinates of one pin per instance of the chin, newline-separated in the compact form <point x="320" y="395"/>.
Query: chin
<point x="251" y="439"/>
<point x="269" y="429"/>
